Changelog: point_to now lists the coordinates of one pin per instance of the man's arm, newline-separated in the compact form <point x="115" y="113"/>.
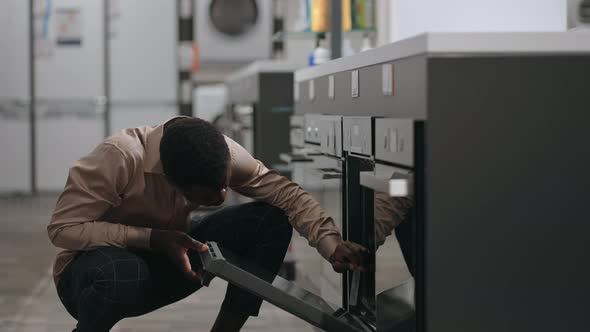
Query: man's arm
<point x="389" y="213"/>
<point x="95" y="184"/>
<point x="251" y="178"/>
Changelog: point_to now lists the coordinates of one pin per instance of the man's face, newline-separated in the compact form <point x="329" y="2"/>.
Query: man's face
<point x="207" y="196"/>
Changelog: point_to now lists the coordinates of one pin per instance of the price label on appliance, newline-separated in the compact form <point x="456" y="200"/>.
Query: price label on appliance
<point x="311" y="90"/>
<point x="331" y="86"/>
<point x="387" y="79"/>
<point x="355" y="83"/>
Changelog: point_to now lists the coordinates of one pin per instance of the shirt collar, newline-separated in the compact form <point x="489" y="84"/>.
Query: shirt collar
<point x="152" y="163"/>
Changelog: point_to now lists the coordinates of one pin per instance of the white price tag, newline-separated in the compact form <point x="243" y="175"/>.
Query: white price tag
<point x="331" y="86"/>
<point x="355" y="83"/>
<point x="311" y="90"/>
<point x="387" y="79"/>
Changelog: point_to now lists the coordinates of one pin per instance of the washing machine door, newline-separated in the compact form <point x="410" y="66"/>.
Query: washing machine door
<point x="233" y="30"/>
<point x="233" y="17"/>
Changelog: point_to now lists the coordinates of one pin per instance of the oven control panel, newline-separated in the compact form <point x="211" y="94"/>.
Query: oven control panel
<point x="357" y="134"/>
<point x="311" y="127"/>
<point x="331" y="135"/>
<point x="394" y="141"/>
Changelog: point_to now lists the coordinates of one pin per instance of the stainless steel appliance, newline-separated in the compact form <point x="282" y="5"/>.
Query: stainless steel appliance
<point x="142" y="71"/>
<point x="71" y="113"/>
<point x="15" y="147"/>
<point x="15" y="99"/>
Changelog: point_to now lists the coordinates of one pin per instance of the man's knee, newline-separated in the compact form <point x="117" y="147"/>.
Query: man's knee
<point x="276" y="221"/>
<point x="120" y="281"/>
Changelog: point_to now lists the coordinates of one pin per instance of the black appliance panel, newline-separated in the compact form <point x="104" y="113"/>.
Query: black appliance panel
<point x="323" y="179"/>
<point x="276" y="290"/>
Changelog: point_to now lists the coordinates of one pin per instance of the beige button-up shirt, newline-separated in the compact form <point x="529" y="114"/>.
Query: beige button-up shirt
<point x="117" y="194"/>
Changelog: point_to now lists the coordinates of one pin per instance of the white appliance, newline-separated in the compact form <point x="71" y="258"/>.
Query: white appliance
<point x="15" y="161"/>
<point x="69" y="84"/>
<point x="210" y="101"/>
<point x="143" y="71"/>
<point x="233" y="31"/>
<point x="578" y="14"/>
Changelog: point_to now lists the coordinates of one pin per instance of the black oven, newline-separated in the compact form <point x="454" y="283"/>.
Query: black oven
<point x="359" y="287"/>
<point x="382" y="215"/>
<point x="316" y="164"/>
<point x="390" y="203"/>
<point x="323" y="178"/>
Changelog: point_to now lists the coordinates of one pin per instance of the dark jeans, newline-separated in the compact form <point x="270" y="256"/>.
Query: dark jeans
<point x="104" y="285"/>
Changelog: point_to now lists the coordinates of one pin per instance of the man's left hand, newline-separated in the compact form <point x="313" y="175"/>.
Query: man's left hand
<point x="350" y="256"/>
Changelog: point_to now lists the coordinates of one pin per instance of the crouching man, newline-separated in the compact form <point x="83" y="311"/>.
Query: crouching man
<point x="123" y="219"/>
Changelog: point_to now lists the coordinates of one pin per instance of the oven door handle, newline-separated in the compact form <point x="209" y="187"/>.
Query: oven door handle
<point x="290" y="158"/>
<point x="324" y="174"/>
<point x="396" y="186"/>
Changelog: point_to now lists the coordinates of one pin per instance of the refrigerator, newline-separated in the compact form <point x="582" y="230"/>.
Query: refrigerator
<point x="143" y="38"/>
<point x="15" y="130"/>
<point x="69" y="84"/>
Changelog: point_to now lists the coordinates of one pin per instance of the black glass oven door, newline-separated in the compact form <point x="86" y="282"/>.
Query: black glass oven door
<point x="392" y="215"/>
<point x="275" y="290"/>
<point x="324" y="178"/>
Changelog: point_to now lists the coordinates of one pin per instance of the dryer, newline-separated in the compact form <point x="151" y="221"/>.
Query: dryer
<point x="233" y="30"/>
<point x="578" y="14"/>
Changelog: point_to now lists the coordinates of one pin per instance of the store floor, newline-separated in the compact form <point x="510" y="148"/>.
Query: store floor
<point x="29" y="303"/>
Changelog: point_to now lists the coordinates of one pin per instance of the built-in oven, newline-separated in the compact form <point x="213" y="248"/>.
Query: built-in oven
<point x="321" y="177"/>
<point x="359" y="287"/>
<point x="392" y="218"/>
<point x="305" y="148"/>
<point x="380" y="215"/>
<point x="328" y="173"/>
<point x="299" y="154"/>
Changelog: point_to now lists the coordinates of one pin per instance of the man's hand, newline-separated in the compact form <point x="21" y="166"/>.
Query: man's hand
<point x="176" y="245"/>
<point x="349" y="256"/>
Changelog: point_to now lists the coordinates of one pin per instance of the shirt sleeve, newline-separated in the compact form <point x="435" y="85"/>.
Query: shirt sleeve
<point x="95" y="184"/>
<point x="389" y="213"/>
<point x="251" y="178"/>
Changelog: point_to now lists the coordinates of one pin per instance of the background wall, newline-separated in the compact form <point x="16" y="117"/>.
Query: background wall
<point x="412" y="17"/>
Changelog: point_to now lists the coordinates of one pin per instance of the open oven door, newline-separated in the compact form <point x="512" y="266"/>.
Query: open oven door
<point x="395" y="302"/>
<point x="275" y="290"/>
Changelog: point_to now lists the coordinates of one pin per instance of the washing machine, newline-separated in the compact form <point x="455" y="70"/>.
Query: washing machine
<point x="578" y="15"/>
<point x="233" y="30"/>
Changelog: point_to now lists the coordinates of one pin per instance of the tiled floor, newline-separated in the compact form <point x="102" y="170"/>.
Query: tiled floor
<point x="29" y="303"/>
